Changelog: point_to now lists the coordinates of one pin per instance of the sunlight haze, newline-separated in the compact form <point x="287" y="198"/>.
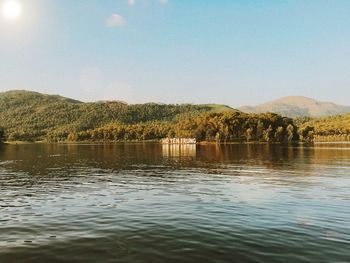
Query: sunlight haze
<point x="229" y="52"/>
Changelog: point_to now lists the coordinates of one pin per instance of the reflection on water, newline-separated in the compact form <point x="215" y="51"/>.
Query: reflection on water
<point x="160" y="203"/>
<point x="179" y="150"/>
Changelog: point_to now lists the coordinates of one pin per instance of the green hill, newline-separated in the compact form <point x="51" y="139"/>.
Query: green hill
<point x="27" y="115"/>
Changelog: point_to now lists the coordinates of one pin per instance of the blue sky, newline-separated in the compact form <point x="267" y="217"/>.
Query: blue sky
<point x="197" y="51"/>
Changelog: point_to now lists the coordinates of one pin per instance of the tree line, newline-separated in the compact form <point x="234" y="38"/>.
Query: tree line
<point x="226" y="126"/>
<point x="209" y="126"/>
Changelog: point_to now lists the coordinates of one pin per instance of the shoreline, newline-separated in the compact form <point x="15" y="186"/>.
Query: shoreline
<point x="159" y="142"/>
<point x="340" y="142"/>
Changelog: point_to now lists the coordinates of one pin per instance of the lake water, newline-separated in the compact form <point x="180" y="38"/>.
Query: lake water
<point x="154" y="203"/>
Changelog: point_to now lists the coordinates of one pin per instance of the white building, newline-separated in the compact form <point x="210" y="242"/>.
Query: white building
<point x="179" y="141"/>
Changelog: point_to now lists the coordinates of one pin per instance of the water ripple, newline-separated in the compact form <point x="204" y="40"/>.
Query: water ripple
<point x="230" y="204"/>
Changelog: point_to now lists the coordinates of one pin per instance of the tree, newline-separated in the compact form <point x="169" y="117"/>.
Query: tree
<point x="249" y="134"/>
<point x="260" y="131"/>
<point x="307" y="133"/>
<point x="290" y="133"/>
<point x="279" y="134"/>
<point x="218" y="137"/>
<point x="2" y="135"/>
<point x="268" y="134"/>
<point x="72" y="137"/>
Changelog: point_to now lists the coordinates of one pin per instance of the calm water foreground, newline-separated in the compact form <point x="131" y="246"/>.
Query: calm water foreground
<point x="154" y="203"/>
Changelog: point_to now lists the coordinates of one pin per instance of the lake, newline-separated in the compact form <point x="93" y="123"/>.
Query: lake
<point x="154" y="203"/>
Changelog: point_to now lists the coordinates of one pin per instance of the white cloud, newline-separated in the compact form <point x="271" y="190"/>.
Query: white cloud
<point x="131" y="2"/>
<point x="115" y="20"/>
<point x="163" y="1"/>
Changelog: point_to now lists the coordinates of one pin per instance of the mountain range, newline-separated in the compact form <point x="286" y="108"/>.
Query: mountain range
<point x="25" y="103"/>
<point x="298" y="106"/>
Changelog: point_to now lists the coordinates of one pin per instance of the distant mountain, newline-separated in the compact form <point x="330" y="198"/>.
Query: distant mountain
<point x="298" y="106"/>
<point x="29" y="115"/>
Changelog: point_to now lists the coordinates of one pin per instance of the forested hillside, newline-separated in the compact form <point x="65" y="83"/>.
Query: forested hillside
<point x="30" y="116"/>
<point x="334" y="128"/>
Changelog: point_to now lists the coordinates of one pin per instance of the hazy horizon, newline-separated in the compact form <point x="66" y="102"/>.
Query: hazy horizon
<point x="170" y="51"/>
<point x="161" y="102"/>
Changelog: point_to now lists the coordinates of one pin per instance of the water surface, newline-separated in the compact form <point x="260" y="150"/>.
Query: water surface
<point x="154" y="203"/>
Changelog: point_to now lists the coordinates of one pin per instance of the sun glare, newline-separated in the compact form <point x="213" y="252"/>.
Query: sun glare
<point x="12" y="10"/>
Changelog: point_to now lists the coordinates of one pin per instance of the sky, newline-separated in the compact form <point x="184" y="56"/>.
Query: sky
<point x="234" y="52"/>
